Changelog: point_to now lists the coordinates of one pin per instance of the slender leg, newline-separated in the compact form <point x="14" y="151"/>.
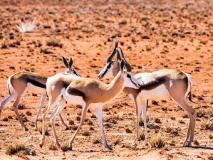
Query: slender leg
<point x="57" y="111"/>
<point x="51" y="103"/>
<point x="100" y="122"/>
<point x="138" y="112"/>
<point x="39" y="110"/>
<point x="144" y="108"/>
<point x="192" y="118"/>
<point x="83" y="116"/>
<point x="6" y="100"/>
<point x="15" y="108"/>
<point x="62" y="122"/>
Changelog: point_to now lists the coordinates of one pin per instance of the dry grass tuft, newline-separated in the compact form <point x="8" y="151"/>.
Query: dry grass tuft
<point x="117" y="141"/>
<point x="52" y="147"/>
<point x="142" y="135"/>
<point x="96" y="141"/>
<point x="196" y="142"/>
<point x="157" y="142"/>
<point x="86" y="133"/>
<point x="64" y="147"/>
<point x="157" y="120"/>
<point x="71" y="122"/>
<point x="128" y="130"/>
<point x="55" y="42"/>
<point x="14" y="148"/>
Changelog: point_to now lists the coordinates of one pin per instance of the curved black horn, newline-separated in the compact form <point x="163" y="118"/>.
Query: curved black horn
<point x="118" y="54"/>
<point x="121" y="53"/>
<point x="65" y="62"/>
<point x="70" y="62"/>
<point x="127" y="65"/>
<point x="109" y="58"/>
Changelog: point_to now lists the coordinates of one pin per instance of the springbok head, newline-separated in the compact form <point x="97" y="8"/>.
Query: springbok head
<point x="112" y="67"/>
<point x="126" y="70"/>
<point x="68" y="66"/>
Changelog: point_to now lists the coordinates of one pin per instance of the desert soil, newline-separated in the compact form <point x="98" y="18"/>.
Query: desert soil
<point x="153" y="35"/>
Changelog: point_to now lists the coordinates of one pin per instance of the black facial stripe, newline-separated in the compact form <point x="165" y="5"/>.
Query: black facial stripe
<point x="36" y="83"/>
<point x="108" y="67"/>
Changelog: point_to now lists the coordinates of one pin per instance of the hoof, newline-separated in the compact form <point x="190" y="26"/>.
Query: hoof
<point x="187" y="144"/>
<point x="108" y="148"/>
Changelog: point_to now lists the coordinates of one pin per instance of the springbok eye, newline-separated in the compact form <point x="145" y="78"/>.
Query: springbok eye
<point x="128" y="76"/>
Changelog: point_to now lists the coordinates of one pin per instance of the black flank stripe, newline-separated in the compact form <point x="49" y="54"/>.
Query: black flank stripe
<point x="153" y="84"/>
<point x="75" y="92"/>
<point x="36" y="83"/>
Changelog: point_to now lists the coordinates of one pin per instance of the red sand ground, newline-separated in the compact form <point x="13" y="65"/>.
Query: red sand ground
<point x="153" y="35"/>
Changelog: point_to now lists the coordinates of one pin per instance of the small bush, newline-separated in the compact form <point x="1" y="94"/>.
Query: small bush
<point x="52" y="147"/>
<point x="28" y="113"/>
<point x="86" y="133"/>
<point x="93" y="116"/>
<point x="5" y="119"/>
<point x="142" y="135"/>
<point x="117" y="141"/>
<point x="157" y="142"/>
<point x="64" y="147"/>
<point x="53" y="41"/>
<point x="128" y="130"/>
<point x="157" y="120"/>
<point x="96" y="141"/>
<point x="14" y="148"/>
<point x="196" y="142"/>
<point x="71" y="122"/>
<point x="78" y="118"/>
<point x="201" y="113"/>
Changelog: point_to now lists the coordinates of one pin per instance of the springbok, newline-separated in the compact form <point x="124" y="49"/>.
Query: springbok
<point x="20" y="82"/>
<point x="159" y="85"/>
<point x="86" y="92"/>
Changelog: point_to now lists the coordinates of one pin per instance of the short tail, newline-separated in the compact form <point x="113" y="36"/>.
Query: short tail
<point x="189" y="87"/>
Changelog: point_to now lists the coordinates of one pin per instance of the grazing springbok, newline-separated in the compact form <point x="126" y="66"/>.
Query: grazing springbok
<point x="159" y="85"/>
<point x="20" y="82"/>
<point x="86" y="92"/>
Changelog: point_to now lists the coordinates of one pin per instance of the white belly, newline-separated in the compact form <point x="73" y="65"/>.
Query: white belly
<point x="158" y="93"/>
<point x="76" y="100"/>
<point x="36" y="89"/>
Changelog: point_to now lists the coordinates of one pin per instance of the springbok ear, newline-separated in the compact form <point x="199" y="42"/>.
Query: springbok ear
<point x="70" y="62"/>
<point x="128" y="67"/>
<point x="122" y="65"/>
<point x="65" y="62"/>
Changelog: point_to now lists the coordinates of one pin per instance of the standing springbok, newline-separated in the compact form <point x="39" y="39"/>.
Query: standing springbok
<point x="160" y="84"/>
<point x="86" y="92"/>
<point x="20" y="82"/>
